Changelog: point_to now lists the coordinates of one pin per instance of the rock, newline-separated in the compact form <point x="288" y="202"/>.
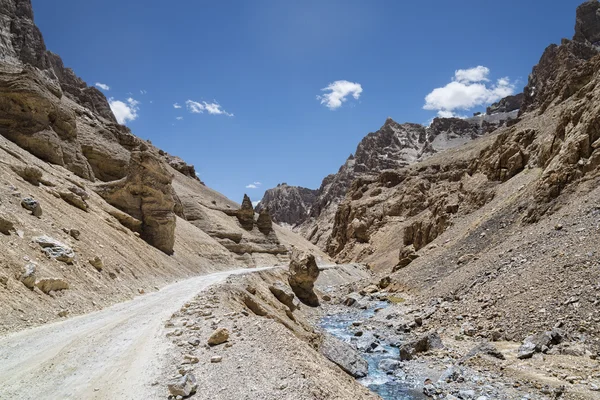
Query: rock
<point x="344" y="356"/>
<point x="353" y="299"/>
<point x="63" y="313"/>
<point x="146" y="194"/>
<point x="429" y="389"/>
<point x="264" y="222"/>
<point x="407" y="255"/>
<point x="427" y="342"/>
<point x="79" y="192"/>
<point x="190" y="359"/>
<point x="285" y="295"/>
<point x="55" y="249"/>
<point x="384" y="282"/>
<point x="3" y="280"/>
<point x="184" y="386"/>
<point x="468" y="329"/>
<point x="291" y="203"/>
<point x="304" y="271"/>
<point x="74" y="200"/>
<point x="52" y="285"/>
<point x="74" y="233"/>
<point x="539" y="342"/>
<point x="388" y="365"/>
<point x="246" y="214"/>
<point x="6" y="224"/>
<point x="587" y="25"/>
<point x="506" y="105"/>
<point x="216" y="359"/>
<point x="97" y="263"/>
<point x="452" y="374"/>
<point x="466" y="394"/>
<point x="218" y="337"/>
<point x="465" y="258"/>
<point x="29" y="173"/>
<point x="484" y="348"/>
<point x="27" y="275"/>
<point x="32" y="205"/>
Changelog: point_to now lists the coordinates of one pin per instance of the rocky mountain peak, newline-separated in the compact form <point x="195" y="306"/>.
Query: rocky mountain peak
<point x="587" y="25"/>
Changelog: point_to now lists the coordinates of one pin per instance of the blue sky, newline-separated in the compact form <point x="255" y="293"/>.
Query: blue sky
<point x="265" y="63"/>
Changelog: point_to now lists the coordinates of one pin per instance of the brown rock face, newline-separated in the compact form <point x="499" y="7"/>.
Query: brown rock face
<point x="146" y="194"/>
<point x="304" y="272"/>
<point x="264" y="222"/>
<point x="246" y="214"/>
<point x="587" y="25"/>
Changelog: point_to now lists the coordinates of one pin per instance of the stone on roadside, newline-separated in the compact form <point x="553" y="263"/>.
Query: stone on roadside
<point x="218" y="337"/>
<point x="184" y="386"/>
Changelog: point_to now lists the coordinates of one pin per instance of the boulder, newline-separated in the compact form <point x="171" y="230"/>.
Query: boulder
<point x="147" y="196"/>
<point x="285" y="295"/>
<point x="31" y="174"/>
<point x="353" y="299"/>
<point x="52" y="285"/>
<point x="246" y="214"/>
<point x="427" y="342"/>
<point x="304" y="271"/>
<point x="55" y="249"/>
<point x="32" y="205"/>
<point x="538" y="343"/>
<point x="218" y="337"/>
<point x="27" y="275"/>
<point x="6" y="224"/>
<point x="407" y="255"/>
<point x="184" y="386"/>
<point x="345" y="356"/>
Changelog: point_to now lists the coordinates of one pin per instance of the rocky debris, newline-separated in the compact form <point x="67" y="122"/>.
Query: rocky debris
<point x="146" y="195"/>
<point x="304" y="271"/>
<point x="55" y="249"/>
<point x="246" y="214"/>
<point x="264" y="222"/>
<point x="74" y="233"/>
<point x="507" y="104"/>
<point x="285" y="295"/>
<point x="218" y="337"/>
<point x="427" y="342"/>
<point x="6" y="224"/>
<point x="184" y="386"/>
<point x="344" y="355"/>
<point x="181" y="166"/>
<point x="97" y="263"/>
<point x="74" y="200"/>
<point x="406" y="256"/>
<point x="29" y="173"/>
<point x="27" y="275"/>
<point x="32" y="205"/>
<point x="52" y="285"/>
<point x="485" y="348"/>
<point x="539" y="343"/>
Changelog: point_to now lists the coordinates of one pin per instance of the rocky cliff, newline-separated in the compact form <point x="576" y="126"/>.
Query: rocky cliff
<point x="394" y="145"/>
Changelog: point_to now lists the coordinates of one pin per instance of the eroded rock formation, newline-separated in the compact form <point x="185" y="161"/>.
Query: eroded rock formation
<point x="146" y="194"/>
<point x="304" y="272"/>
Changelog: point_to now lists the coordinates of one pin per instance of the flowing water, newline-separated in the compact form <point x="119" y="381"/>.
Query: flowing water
<point x="389" y="387"/>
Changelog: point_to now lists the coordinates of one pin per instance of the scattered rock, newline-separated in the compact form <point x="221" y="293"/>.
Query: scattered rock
<point x="218" y="337"/>
<point x="427" y="342"/>
<point x="55" y="249"/>
<point x="32" y="205"/>
<point x="285" y="295"/>
<point x="484" y="348"/>
<point x="465" y="258"/>
<point x="6" y="225"/>
<point x="216" y="359"/>
<point x="74" y="200"/>
<point x="344" y="356"/>
<point x="304" y="271"/>
<point x="3" y="280"/>
<point x="97" y="263"/>
<point x="52" y="285"/>
<point x="27" y="276"/>
<point x="184" y="386"/>
<point x="538" y="343"/>
<point x="63" y="313"/>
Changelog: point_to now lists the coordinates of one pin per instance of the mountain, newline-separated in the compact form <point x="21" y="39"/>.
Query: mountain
<point x="394" y="145"/>
<point x="90" y="206"/>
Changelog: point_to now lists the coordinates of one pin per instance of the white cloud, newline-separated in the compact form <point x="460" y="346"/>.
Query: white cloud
<point x="176" y="105"/>
<point x="257" y="183"/>
<point x="179" y="118"/>
<point x="143" y="92"/>
<point x="251" y="186"/>
<point x="255" y="203"/>
<point x="339" y="92"/>
<point x="124" y="111"/>
<point x="211" y="108"/>
<point x="467" y="90"/>
<point x="102" y="86"/>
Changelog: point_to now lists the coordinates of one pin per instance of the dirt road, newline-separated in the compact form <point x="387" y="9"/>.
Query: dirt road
<point x="115" y="353"/>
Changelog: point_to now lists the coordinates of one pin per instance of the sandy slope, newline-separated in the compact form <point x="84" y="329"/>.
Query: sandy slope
<point x="111" y="354"/>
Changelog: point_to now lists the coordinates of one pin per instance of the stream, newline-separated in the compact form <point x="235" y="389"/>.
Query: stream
<point x="389" y="385"/>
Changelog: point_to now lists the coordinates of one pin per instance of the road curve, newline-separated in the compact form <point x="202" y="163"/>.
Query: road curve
<point x="115" y="353"/>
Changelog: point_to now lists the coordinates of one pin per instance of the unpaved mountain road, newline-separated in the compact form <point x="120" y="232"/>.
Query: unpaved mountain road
<point x="115" y="353"/>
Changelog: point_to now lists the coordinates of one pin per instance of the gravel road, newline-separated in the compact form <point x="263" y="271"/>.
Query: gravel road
<point x="116" y="353"/>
